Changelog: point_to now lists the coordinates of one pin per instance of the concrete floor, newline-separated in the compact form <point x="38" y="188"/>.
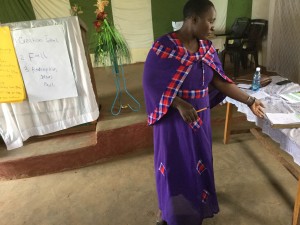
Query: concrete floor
<point x="253" y="188"/>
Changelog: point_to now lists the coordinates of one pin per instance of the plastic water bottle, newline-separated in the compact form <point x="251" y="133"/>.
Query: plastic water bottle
<point x="256" y="80"/>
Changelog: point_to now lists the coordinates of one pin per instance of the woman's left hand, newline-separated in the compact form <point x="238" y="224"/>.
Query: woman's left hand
<point x="258" y="108"/>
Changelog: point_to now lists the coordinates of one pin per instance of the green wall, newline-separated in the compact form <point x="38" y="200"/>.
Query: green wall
<point x="166" y="11"/>
<point x="16" y="11"/>
<point x="88" y="16"/>
<point x="237" y="8"/>
<point x="163" y="13"/>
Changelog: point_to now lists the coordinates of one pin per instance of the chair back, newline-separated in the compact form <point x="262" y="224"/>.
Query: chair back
<point x="239" y="27"/>
<point x="255" y="33"/>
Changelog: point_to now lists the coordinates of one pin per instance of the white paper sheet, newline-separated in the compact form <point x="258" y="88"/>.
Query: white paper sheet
<point x="283" y="118"/>
<point x="45" y="63"/>
<point x="273" y="105"/>
<point x="292" y="97"/>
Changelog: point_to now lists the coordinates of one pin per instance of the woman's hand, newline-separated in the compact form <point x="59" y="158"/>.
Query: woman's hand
<point x="258" y="108"/>
<point x="232" y="91"/>
<point x="186" y="110"/>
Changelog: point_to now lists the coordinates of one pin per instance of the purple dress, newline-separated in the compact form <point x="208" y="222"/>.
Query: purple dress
<point x="183" y="160"/>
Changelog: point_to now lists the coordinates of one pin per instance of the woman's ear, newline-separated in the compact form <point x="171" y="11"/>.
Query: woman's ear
<point x="194" y="19"/>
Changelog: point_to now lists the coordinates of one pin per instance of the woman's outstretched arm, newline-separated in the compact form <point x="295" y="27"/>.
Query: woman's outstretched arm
<point x="232" y="91"/>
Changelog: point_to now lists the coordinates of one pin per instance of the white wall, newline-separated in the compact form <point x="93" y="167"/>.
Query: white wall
<point x="260" y="10"/>
<point x="221" y="9"/>
<point x="134" y="20"/>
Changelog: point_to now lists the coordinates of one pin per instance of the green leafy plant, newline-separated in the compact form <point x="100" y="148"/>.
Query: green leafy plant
<point x="111" y="47"/>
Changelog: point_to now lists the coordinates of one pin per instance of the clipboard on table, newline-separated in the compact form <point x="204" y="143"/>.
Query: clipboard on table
<point x="284" y="120"/>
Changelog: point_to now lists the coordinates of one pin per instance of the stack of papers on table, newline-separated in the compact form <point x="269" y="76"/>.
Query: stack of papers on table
<point x="284" y="120"/>
<point x="292" y="97"/>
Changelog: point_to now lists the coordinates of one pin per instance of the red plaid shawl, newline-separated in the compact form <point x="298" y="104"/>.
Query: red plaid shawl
<point x="205" y="54"/>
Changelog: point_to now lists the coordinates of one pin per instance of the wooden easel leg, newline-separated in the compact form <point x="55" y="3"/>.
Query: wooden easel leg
<point x="227" y="128"/>
<point x="296" y="219"/>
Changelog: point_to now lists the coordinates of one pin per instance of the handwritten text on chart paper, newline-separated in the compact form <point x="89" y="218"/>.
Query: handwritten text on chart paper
<point x="45" y="63"/>
<point x="11" y="83"/>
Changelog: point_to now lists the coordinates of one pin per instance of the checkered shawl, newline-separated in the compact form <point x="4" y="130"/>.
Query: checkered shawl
<point x="187" y="94"/>
<point x="168" y="50"/>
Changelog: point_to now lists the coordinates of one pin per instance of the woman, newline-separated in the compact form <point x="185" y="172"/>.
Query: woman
<point x="177" y="72"/>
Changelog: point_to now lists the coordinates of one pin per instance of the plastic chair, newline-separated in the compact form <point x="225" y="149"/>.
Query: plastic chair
<point x="249" y="43"/>
<point x="238" y="28"/>
<point x="233" y="42"/>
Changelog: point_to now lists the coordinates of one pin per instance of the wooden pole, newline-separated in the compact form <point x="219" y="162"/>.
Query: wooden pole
<point x="227" y="128"/>
<point x="296" y="220"/>
<point x="269" y="145"/>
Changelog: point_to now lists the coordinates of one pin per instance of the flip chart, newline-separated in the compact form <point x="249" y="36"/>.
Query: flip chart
<point x="11" y="82"/>
<point x="44" y="62"/>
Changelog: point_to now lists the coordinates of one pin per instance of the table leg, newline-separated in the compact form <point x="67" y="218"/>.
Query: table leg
<point x="271" y="147"/>
<point x="227" y="128"/>
<point x="296" y="219"/>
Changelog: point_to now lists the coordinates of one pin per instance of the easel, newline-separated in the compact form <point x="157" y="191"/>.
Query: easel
<point x="118" y="72"/>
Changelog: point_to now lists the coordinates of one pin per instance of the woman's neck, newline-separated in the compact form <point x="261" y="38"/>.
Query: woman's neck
<point x="188" y="40"/>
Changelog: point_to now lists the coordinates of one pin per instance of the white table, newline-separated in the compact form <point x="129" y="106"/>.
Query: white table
<point x="289" y="139"/>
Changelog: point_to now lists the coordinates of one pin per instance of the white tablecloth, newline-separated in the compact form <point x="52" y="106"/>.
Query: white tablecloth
<point x="19" y="121"/>
<point x="289" y="139"/>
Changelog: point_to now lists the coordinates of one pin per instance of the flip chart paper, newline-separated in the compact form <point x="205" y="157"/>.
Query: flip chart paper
<point x="11" y="82"/>
<point x="44" y="62"/>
